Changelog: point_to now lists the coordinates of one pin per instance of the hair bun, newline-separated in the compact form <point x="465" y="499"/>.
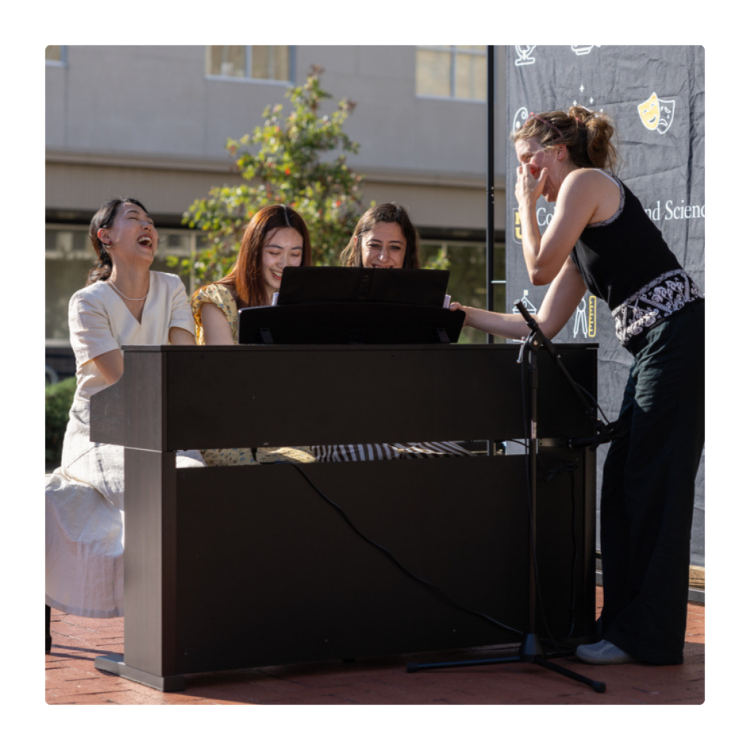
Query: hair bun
<point x="581" y="114"/>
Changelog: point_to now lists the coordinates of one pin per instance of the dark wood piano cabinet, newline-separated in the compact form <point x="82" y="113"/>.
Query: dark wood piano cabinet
<point x="237" y="567"/>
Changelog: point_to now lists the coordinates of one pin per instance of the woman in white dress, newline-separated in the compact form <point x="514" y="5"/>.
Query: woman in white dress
<point x="123" y="303"/>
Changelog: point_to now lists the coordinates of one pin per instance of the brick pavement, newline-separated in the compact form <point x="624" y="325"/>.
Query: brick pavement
<point x="71" y="677"/>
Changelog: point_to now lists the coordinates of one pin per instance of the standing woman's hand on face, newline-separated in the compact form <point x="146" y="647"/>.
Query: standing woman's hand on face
<point x="528" y="185"/>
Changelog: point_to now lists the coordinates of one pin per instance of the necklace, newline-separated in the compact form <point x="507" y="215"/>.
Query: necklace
<point x="130" y="299"/>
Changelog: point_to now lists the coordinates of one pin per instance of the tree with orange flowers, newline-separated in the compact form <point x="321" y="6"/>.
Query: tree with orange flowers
<point x="283" y="161"/>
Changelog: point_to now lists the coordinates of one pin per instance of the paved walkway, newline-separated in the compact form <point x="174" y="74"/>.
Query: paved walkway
<point x="71" y="677"/>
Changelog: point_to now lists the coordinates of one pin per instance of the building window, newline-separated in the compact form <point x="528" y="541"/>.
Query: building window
<point x="55" y="54"/>
<point x="255" y="63"/>
<point x="455" y="72"/>
<point x="468" y="280"/>
<point x="69" y="256"/>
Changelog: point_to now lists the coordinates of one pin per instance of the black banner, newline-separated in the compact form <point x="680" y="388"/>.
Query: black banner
<point x="656" y="97"/>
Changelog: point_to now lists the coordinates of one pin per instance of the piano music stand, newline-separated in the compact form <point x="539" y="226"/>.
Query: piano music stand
<point x="354" y="306"/>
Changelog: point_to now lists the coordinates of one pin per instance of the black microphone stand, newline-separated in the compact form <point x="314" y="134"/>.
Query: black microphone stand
<point x="531" y="650"/>
<point x="604" y="431"/>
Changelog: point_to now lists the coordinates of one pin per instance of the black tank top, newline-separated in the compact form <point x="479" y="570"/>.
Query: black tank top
<point x="626" y="262"/>
<point x="619" y="256"/>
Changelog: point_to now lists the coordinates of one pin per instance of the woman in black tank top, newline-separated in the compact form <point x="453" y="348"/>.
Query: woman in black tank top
<point x="601" y="239"/>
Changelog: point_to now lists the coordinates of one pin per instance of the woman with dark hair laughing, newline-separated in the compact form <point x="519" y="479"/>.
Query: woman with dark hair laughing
<point x="123" y="303"/>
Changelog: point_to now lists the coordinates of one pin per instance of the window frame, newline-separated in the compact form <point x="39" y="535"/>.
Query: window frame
<point x="453" y="49"/>
<point x="247" y="78"/>
<point x="499" y="284"/>
<point x="86" y="258"/>
<point x="62" y="62"/>
<point x="195" y="240"/>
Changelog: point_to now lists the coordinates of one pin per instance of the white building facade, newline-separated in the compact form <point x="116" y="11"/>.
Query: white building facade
<point x="152" y="123"/>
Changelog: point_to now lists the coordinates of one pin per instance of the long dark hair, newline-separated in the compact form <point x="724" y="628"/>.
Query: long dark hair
<point x="104" y="218"/>
<point x="385" y="213"/>
<point x="245" y="280"/>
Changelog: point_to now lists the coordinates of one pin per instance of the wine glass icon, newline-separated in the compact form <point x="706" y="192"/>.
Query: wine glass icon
<point x="583" y="49"/>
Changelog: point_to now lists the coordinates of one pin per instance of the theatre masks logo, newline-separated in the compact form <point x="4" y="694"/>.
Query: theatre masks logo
<point x="656" y="114"/>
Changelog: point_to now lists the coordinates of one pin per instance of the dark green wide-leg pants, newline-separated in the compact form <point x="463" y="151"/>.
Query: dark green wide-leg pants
<point x="648" y="490"/>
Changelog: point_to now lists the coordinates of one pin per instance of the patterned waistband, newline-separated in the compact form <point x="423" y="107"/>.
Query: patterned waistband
<point x="657" y="300"/>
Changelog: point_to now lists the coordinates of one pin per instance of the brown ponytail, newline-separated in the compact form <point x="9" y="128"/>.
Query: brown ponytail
<point x="103" y="218"/>
<point x="588" y="136"/>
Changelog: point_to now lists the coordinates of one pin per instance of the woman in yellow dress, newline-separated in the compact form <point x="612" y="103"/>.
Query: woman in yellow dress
<point x="275" y="238"/>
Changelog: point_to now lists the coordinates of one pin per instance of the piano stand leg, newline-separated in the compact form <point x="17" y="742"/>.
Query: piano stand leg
<point x="114" y="664"/>
<point x="48" y="636"/>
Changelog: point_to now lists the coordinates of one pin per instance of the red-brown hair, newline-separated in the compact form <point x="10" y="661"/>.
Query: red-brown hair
<point x="245" y="280"/>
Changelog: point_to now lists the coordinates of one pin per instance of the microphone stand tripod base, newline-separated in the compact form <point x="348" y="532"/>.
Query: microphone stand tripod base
<point x="530" y="648"/>
<point x="530" y="652"/>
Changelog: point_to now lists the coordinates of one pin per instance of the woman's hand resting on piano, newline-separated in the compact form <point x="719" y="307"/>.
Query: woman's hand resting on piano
<point x="458" y="306"/>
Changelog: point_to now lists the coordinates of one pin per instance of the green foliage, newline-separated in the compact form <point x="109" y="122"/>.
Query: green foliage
<point x="58" y="399"/>
<point x="283" y="162"/>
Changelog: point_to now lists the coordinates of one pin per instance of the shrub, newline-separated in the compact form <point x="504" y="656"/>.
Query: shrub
<point x="298" y="159"/>
<point x="58" y="400"/>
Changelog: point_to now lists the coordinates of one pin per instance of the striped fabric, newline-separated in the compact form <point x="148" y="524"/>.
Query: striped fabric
<point x="386" y="451"/>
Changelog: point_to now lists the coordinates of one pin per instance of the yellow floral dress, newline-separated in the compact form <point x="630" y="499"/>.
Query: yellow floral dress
<point x="219" y="295"/>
